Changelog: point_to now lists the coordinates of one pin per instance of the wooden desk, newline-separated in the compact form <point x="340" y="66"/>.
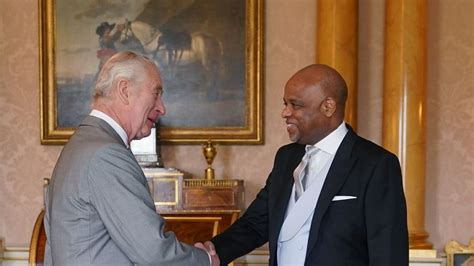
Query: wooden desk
<point x="189" y="226"/>
<point x="195" y="209"/>
<point x="198" y="226"/>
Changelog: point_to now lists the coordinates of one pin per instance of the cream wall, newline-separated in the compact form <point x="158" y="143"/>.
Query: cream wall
<point x="449" y="200"/>
<point x="289" y="32"/>
<point x="450" y="112"/>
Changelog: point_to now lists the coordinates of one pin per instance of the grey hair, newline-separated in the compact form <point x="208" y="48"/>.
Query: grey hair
<point x="123" y="65"/>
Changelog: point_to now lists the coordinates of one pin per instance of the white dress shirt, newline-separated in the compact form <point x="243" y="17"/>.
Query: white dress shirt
<point x="327" y="150"/>
<point x="294" y="234"/>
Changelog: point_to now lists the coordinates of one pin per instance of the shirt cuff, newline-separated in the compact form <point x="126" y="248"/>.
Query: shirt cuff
<point x="209" y="255"/>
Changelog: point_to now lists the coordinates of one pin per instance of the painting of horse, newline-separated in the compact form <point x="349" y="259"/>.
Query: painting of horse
<point x="209" y="54"/>
<point x="173" y="50"/>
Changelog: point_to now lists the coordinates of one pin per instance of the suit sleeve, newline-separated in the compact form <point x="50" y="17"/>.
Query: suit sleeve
<point x="248" y="232"/>
<point x="120" y="195"/>
<point x="385" y="213"/>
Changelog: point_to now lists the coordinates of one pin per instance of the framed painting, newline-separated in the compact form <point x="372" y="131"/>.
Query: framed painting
<point x="458" y="254"/>
<point x="210" y="55"/>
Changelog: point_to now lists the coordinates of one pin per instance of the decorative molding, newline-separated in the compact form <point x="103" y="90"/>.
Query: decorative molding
<point x="18" y="256"/>
<point x="426" y="257"/>
<point x="423" y="253"/>
<point x="13" y="256"/>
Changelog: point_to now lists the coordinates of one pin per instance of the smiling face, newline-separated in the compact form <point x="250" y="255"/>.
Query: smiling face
<point x="128" y="89"/>
<point x="302" y="112"/>
<point x="310" y="105"/>
<point x="146" y="105"/>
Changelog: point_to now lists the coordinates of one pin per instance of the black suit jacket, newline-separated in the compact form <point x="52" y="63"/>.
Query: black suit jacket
<point x="369" y="230"/>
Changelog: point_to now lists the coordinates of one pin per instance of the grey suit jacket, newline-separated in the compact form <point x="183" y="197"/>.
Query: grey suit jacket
<point x="99" y="210"/>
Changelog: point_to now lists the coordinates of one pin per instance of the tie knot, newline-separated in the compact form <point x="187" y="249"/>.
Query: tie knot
<point x="300" y="172"/>
<point x="310" y="151"/>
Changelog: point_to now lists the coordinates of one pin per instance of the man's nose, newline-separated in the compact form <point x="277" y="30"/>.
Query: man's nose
<point x="285" y="112"/>
<point x="160" y="107"/>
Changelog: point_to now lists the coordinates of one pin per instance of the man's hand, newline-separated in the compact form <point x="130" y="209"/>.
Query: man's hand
<point x="211" y="250"/>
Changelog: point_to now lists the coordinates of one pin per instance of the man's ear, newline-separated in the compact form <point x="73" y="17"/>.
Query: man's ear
<point x="123" y="91"/>
<point x="328" y="106"/>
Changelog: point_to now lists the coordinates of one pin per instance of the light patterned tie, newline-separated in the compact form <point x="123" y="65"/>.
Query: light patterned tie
<point x="301" y="171"/>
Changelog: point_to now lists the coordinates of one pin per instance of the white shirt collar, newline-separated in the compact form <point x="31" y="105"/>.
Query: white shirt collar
<point x="112" y="123"/>
<point x="331" y="142"/>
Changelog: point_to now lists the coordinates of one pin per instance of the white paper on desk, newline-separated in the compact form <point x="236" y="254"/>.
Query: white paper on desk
<point x="145" y="146"/>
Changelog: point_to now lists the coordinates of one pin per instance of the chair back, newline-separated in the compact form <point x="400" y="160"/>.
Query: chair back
<point x="38" y="242"/>
<point x="38" y="237"/>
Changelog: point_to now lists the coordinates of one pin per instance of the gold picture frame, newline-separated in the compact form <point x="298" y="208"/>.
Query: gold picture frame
<point x="57" y="67"/>
<point x="458" y="254"/>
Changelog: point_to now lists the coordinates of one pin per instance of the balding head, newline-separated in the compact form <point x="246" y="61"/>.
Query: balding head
<point x="326" y="78"/>
<point x="315" y="98"/>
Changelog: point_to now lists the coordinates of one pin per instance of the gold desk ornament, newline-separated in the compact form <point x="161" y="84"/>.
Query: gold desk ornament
<point x="209" y="152"/>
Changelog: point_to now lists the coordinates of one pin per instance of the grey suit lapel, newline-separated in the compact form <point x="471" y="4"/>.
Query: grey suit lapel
<point x="104" y="126"/>
<point x="337" y="175"/>
<point x="93" y="121"/>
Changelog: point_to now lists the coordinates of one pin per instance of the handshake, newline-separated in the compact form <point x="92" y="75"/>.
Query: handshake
<point x="208" y="246"/>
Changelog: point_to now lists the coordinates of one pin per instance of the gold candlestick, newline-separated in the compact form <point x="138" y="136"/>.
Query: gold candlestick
<point x="209" y="152"/>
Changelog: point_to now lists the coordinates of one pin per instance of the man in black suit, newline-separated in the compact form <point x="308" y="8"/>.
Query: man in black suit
<point x="340" y="205"/>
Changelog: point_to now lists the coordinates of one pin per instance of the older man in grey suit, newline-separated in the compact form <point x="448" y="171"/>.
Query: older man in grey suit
<point x="98" y="207"/>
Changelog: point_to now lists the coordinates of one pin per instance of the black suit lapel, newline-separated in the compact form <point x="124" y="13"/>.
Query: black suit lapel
<point x="282" y="194"/>
<point x="335" y="179"/>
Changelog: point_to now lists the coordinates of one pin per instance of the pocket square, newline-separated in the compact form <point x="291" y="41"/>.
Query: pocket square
<point x="338" y="198"/>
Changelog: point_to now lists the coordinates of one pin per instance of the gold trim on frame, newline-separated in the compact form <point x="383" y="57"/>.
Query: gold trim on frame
<point x="190" y="183"/>
<point x="453" y="248"/>
<point x="234" y="213"/>
<point x="176" y="193"/>
<point x="251" y="133"/>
